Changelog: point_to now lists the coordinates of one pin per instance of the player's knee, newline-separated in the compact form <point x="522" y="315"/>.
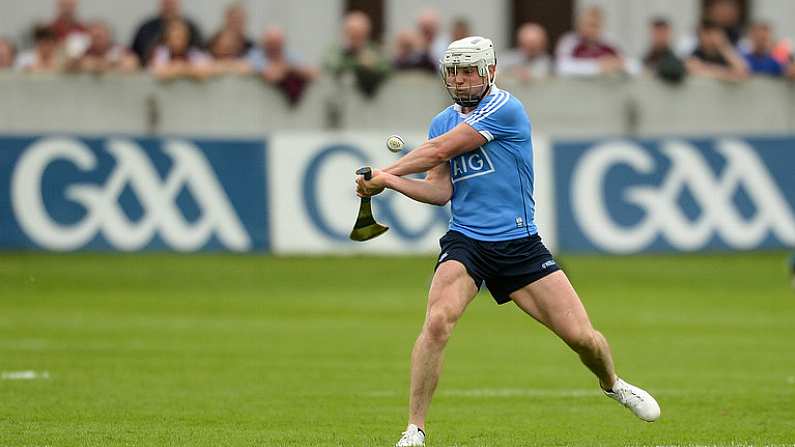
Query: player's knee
<point x="438" y="327"/>
<point x="583" y="340"/>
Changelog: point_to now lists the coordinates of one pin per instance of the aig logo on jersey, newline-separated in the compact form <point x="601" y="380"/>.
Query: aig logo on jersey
<point x="471" y="164"/>
<point x="628" y="197"/>
<point x="124" y="194"/>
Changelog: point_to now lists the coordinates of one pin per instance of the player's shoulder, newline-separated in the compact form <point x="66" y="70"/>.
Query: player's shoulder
<point x="442" y="122"/>
<point x="516" y="107"/>
<point x="444" y="115"/>
<point x="499" y="103"/>
<point x="504" y="100"/>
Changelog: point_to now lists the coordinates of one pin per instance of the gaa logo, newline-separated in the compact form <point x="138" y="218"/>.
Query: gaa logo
<point x="471" y="164"/>
<point x="134" y="171"/>
<point x="390" y="207"/>
<point x="662" y="215"/>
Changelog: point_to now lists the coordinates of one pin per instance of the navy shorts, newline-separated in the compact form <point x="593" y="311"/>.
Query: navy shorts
<point x="505" y="266"/>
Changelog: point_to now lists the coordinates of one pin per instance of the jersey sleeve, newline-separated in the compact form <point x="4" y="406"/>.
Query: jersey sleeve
<point x="498" y="117"/>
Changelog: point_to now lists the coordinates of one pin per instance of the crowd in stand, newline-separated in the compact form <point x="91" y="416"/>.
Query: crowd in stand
<point x="719" y="49"/>
<point x="170" y="45"/>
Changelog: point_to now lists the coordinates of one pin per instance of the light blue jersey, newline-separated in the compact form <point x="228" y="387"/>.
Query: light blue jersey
<point x="493" y="184"/>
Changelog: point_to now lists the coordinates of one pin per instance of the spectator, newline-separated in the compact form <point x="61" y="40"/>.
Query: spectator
<point x="529" y="61"/>
<point x="103" y="54"/>
<point x="409" y="54"/>
<point x="8" y="53"/>
<point x="584" y="53"/>
<point x="726" y="15"/>
<point x="460" y="29"/>
<point x="715" y="57"/>
<point x="44" y="56"/>
<point x="150" y="32"/>
<point x="66" y="22"/>
<point x="235" y="22"/>
<point x="432" y="42"/>
<point x="660" y="59"/>
<point x="226" y="48"/>
<point x="358" y="58"/>
<point x="175" y="57"/>
<point x="759" y="59"/>
<point x="279" y="67"/>
<point x="406" y="52"/>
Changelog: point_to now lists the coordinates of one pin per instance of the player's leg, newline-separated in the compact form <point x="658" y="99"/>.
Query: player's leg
<point x="455" y="283"/>
<point x="553" y="301"/>
<point x="452" y="289"/>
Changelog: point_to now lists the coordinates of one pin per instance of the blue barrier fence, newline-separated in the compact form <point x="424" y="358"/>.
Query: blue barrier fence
<point x="630" y="196"/>
<point x="67" y="193"/>
<point x="613" y="196"/>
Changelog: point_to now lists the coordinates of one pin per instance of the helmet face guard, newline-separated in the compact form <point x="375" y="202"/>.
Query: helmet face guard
<point x="470" y="92"/>
<point x="465" y="70"/>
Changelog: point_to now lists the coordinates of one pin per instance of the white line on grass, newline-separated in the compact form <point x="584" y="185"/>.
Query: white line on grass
<point x="24" y="375"/>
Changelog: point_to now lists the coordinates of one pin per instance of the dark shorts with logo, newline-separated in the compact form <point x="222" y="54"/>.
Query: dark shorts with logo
<point x="505" y="266"/>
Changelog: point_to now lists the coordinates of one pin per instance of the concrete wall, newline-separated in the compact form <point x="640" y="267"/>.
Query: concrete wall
<point x="246" y="107"/>
<point x="705" y="107"/>
<point x="80" y="104"/>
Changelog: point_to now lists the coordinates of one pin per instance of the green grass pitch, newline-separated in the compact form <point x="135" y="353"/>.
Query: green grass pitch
<point x="210" y="350"/>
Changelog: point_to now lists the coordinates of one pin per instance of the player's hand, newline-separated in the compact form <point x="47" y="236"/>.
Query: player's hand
<point x="372" y="187"/>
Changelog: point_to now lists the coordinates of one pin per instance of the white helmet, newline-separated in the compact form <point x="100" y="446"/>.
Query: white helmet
<point x="471" y="51"/>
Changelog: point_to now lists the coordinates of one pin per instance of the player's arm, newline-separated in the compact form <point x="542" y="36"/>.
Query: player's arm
<point x="435" y="189"/>
<point x="460" y="139"/>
